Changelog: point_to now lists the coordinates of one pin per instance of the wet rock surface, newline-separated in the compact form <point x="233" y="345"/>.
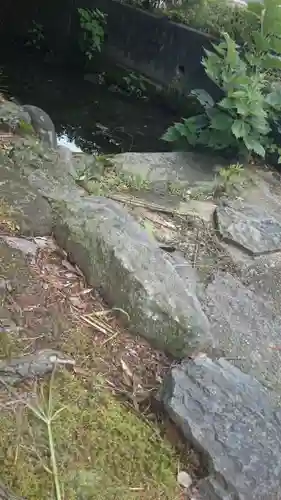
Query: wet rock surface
<point x="227" y="415"/>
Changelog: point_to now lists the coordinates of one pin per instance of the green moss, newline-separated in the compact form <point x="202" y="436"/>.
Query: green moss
<point x="25" y="128"/>
<point x="103" y="450"/>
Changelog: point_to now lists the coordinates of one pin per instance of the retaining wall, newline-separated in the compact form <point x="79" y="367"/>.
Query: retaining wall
<point x="145" y="42"/>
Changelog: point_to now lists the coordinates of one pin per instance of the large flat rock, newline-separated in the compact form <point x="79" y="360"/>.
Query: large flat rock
<point x="251" y="227"/>
<point x="245" y="327"/>
<point x="185" y="168"/>
<point x="263" y="277"/>
<point x="227" y="416"/>
<point x="120" y="258"/>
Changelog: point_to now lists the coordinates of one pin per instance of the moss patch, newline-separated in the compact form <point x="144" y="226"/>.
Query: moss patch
<point x="103" y="450"/>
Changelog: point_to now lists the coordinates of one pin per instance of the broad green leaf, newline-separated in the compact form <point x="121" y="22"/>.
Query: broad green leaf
<point x="271" y="62"/>
<point x="171" y="135"/>
<point x="238" y="94"/>
<point x="213" y="64"/>
<point x="238" y="80"/>
<point x="203" y="97"/>
<point x="181" y="129"/>
<point x="232" y="55"/>
<point x="275" y="42"/>
<point x="196" y="122"/>
<point x="240" y="129"/>
<point x="221" y="121"/>
<point x="255" y="146"/>
<point x="272" y="20"/>
<point x="220" y="49"/>
<point x="242" y="108"/>
<point x="255" y="8"/>
<point x="221" y="139"/>
<point x="227" y="103"/>
<point x="261" y="42"/>
<point x="259" y="124"/>
<point x="274" y="98"/>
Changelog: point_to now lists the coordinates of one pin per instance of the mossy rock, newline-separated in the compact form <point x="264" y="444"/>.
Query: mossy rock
<point x="14" y="119"/>
<point x="22" y="208"/>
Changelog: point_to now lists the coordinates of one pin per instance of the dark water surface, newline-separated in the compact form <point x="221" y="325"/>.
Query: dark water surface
<point x="87" y="116"/>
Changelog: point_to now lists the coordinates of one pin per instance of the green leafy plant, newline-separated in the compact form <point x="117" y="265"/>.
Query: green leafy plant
<point x="229" y="179"/>
<point x="36" y="35"/>
<point x="92" y="22"/>
<point x="135" y="85"/>
<point x="211" y="16"/>
<point x="264" y="42"/>
<point x="243" y="120"/>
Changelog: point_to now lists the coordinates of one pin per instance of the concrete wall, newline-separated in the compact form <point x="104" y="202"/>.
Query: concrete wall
<point x="142" y="41"/>
<point x="153" y="45"/>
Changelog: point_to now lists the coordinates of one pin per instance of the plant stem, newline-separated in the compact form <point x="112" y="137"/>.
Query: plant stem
<point x="54" y="461"/>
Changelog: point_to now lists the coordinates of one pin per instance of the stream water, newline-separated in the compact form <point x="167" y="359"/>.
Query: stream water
<point x="87" y="116"/>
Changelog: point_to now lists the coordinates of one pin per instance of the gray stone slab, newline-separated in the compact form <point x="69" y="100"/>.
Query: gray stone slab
<point x="120" y="258"/>
<point x="263" y="277"/>
<point x="185" y="271"/>
<point x="246" y="328"/>
<point x="185" y="168"/>
<point x="228" y="418"/>
<point x="249" y="226"/>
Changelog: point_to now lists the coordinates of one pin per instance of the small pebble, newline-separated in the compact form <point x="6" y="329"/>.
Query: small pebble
<point x="184" y="479"/>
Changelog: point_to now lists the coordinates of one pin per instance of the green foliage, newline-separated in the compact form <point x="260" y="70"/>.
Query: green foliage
<point x="135" y="85"/>
<point x="264" y="42"/>
<point x="110" y="180"/>
<point x="36" y="35"/>
<point x="25" y="128"/>
<point x="92" y="22"/>
<point x="229" y="180"/>
<point x="213" y="17"/>
<point x="244" y="119"/>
